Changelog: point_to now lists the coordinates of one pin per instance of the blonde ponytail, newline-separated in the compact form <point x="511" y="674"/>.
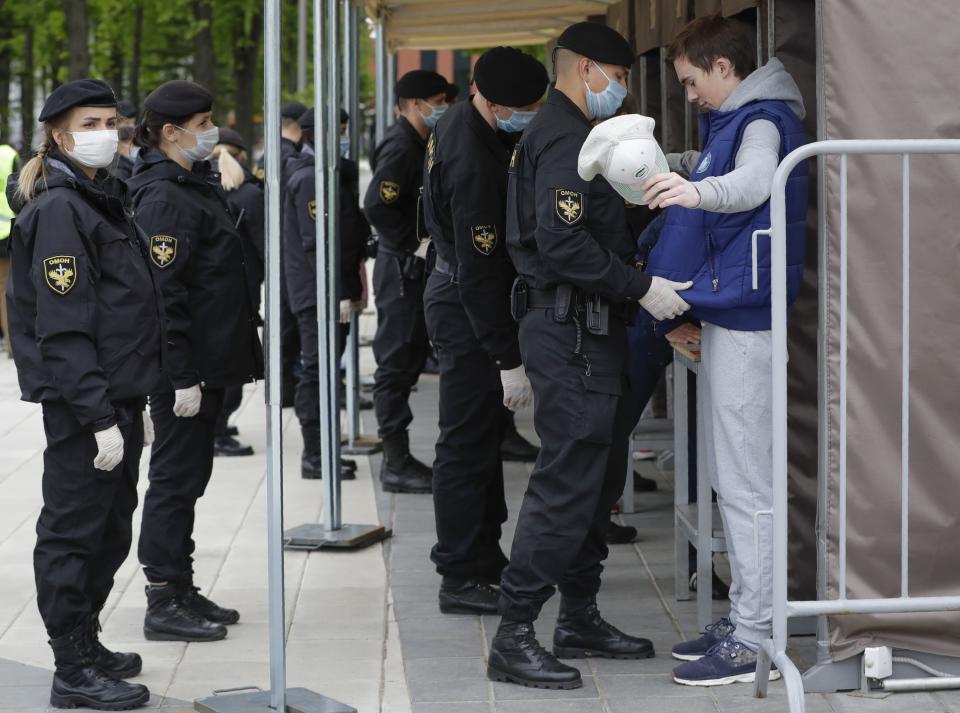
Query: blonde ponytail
<point x="33" y="171"/>
<point x="231" y="172"/>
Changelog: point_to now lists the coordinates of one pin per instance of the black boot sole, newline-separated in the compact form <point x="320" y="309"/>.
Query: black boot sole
<point x="409" y="491"/>
<point x="503" y="677"/>
<point x="75" y="700"/>
<point x="151" y="635"/>
<point x="576" y="652"/>
<point x="467" y="609"/>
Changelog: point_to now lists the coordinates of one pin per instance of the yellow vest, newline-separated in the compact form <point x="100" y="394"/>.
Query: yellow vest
<point x="8" y="156"/>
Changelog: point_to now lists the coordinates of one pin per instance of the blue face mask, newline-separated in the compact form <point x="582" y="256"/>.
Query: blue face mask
<point x="432" y="120"/>
<point x="603" y="105"/>
<point x="518" y="121"/>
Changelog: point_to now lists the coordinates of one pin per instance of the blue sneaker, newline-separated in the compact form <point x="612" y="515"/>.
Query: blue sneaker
<point x="727" y="661"/>
<point x="697" y="648"/>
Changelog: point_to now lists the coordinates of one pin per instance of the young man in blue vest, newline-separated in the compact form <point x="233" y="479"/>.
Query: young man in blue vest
<point x="750" y="119"/>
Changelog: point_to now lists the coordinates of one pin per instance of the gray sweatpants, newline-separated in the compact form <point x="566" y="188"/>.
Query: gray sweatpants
<point x="734" y="398"/>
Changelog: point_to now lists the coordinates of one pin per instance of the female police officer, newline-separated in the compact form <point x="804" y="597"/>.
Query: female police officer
<point x="86" y="322"/>
<point x="196" y="252"/>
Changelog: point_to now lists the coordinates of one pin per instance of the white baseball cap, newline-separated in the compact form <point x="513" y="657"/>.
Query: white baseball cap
<point x="623" y="151"/>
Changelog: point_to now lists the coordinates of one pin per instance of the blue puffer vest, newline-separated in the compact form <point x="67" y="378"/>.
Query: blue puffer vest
<point x="714" y="249"/>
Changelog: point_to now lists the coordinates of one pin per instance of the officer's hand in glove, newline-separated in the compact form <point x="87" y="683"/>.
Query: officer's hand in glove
<point x="109" y="448"/>
<point x="148" y="433"/>
<point x="517" y="392"/>
<point x="662" y="300"/>
<point x="346" y="311"/>
<point x="186" y="402"/>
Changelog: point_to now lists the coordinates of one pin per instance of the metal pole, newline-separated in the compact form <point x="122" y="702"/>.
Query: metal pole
<point x="391" y="62"/>
<point x="271" y="101"/>
<point x="381" y="68"/>
<point x="328" y="279"/>
<point x="301" y="46"/>
<point x="351" y="91"/>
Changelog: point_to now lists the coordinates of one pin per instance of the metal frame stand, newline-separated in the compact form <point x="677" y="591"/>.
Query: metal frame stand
<point x="279" y="697"/>
<point x="333" y="532"/>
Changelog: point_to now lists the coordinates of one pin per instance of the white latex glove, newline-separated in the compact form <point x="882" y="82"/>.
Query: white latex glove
<point x="148" y="433"/>
<point x="662" y="300"/>
<point x="186" y="402"/>
<point x="517" y="392"/>
<point x="110" y="448"/>
<point x="346" y="311"/>
<point x="421" y="251"/>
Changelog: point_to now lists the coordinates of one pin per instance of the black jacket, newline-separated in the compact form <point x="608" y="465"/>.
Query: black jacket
<point x="123" y="168"/>
<point x="560" y="228"/>
<point x="300" y="215"/>
<point x="84" y="308"/>
<point x="391" y="200"/>
<point x="247" y="206"/>
<point x="197" y="254"/>
<point x="464" y="205"/>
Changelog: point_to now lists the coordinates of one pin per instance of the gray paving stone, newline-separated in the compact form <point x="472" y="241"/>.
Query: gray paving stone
<point x="899" y="702"/>
<point x="436" y="668"/>
<point x="17" y="698"/>
<point x="461" y="707"/>
<point x="438" y="688"/>
<point x="439" y="627"/>
<point x="660" y="704"/>
<point x="17" y="674"/>
<point x="640" y="685"/>
<point x="421" y="648"/>
<point x="552" y="706"/>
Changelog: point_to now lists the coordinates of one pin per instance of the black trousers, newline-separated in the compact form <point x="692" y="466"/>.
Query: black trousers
<point x="583" y="413"/>
<point x="232" y="398"/>
<point x="400" y="345"/>
<point x="306" y="402"/>
<point x="85" y="526"/>
<point x="468" y="493"/>
<point x="289" y="337"/>
<point x="180" y="466"/>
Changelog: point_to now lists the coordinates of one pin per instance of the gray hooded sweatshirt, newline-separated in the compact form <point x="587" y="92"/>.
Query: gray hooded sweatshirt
<point x="748" y="184"/>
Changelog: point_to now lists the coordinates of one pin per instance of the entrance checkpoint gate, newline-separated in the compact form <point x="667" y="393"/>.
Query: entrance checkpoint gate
<point x="774" y="649"/>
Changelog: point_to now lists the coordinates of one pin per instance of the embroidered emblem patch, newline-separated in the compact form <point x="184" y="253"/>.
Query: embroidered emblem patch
<point x="389" y="191"/>
<point x="60" y="272"/>
<point x="705" y="163"/>
<point x="569" y="206"/>
<point x="163" y="250"/>
<point x="312" y="208"/>
<point x="484" y="238"/>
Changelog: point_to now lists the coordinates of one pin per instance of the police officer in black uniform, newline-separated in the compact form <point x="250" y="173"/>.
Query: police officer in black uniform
<point x="400" y="345"/>
<point x="300" y="263"/>
<point x="576" y="289"/>
<point x="245" y="197"/>
<point x="126" y="151"/>
<point x="86" y="322"/>
<point x="467" y="307"/>
<point x="196" y="253"/>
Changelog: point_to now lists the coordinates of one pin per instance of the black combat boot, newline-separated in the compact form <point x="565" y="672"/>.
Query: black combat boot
<point x="229" y="446"/>
<point x="515" y="447"/>
<point x="618" y="534"/>
<point x="169" y="618"/>
<point x="582" y="632"/>
<point x="311" y="462"/>
<point x="209" y="610"/>
<point x="517" y="657"/>
<point x="470" y="596"/>
<point x="112" y="663"/>
<point x="79" y="683"/>
<point x="400" y="472"/>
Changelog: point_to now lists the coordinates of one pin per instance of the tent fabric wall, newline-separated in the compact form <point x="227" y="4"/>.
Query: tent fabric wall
<point x="896" y="93"/>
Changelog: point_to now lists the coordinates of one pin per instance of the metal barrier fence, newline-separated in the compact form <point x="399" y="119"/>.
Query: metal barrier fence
<point x="783" y="609"/>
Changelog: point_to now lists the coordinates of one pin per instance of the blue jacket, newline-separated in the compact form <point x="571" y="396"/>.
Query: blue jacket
<point x="714" y="250"/>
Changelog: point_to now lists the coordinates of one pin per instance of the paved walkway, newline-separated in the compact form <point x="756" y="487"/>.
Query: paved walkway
<point x="362" y="627"/>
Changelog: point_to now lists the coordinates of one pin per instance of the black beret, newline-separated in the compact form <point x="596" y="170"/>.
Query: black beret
<point x="127" y="110"/>
<point x="420" y="84"/>
<point x="453" y="91"/>
<point x="597" y="42"/>
<point x="230" y="137"/>
<point x="509" y="77"/>
<point x="306" y="119"/>
<point x="79" y="92"/>
<point x="179" y="98"/>
<point x="344" y="116"/>
<point x="292" y="110"/>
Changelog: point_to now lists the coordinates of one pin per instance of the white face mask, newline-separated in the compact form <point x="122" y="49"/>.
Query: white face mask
<point x="206" y="143"/>
<point x="94" y="149"/>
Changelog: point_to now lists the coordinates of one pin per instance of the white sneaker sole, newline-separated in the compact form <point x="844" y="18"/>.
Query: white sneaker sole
<point x="742" y="678"/>
<point x="686" y="657"/>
